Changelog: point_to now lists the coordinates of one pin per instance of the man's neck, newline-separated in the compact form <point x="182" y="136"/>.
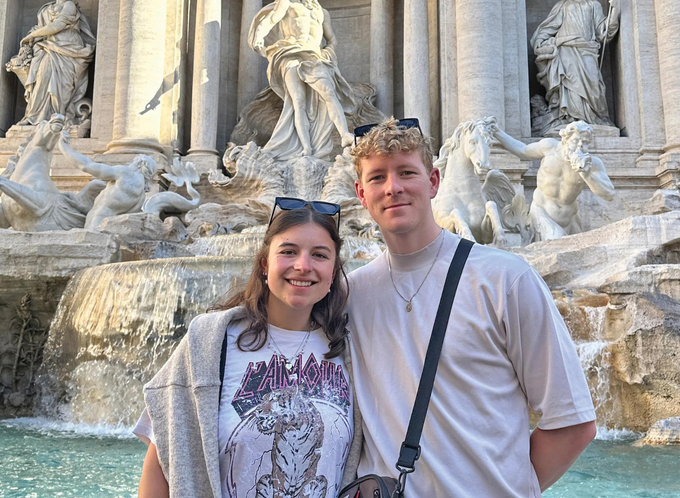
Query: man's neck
<point x="415" y="240"/>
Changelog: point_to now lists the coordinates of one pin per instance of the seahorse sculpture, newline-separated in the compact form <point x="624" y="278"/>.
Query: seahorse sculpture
<point x="171" y="201"/>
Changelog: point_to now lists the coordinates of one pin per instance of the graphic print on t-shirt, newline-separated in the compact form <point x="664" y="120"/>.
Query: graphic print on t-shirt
<point x="282" y="411"/>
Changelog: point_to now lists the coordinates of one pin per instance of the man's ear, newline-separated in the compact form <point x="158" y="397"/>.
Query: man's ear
<point x="359" y="188"/>
<point x="435" y="181"/>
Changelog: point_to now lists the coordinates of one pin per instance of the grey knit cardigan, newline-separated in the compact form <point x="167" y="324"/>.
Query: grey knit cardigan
<point x="182" y="402"/>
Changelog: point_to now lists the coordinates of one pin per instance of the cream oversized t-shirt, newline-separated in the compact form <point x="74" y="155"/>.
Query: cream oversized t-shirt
<point x="506" y="347"/>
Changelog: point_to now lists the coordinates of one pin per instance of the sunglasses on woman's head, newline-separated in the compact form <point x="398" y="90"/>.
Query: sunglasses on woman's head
<point x="290" y="203"/>
<point x="360" y="131"/>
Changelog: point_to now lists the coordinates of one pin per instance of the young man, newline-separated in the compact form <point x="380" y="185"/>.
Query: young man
<point x="506" y="346"/>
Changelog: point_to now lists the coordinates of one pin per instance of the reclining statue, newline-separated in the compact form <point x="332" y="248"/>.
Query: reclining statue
<point x="566" y="169"/>
<point x="126" y="185"/>
<point x="29" y="199"/>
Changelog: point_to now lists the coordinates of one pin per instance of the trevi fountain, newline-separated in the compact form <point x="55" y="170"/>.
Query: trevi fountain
<point x="142" y="145"/>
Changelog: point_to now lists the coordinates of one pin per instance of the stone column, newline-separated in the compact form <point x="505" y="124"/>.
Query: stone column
<point x="416" y="63"/>
<point x="205" y="89"/>
<point x="10" y="15"/>
<point x="104" y="93"/>
<point x="139" y="78"/>
<point x="250" y="63"/>
<point x="668" y="33"/>
<point x="480" y="59"/>
<point x="382" y="53"/>
<point x="648" y="89"/>
<point x="448" y="68"/>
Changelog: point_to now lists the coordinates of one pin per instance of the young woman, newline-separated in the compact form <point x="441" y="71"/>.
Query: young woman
<point x="279" y="422"/>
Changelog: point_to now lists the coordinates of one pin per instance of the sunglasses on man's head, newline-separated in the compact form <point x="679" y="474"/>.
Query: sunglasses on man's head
<point x="289" y="203"/>
<point x="360" y="131"/>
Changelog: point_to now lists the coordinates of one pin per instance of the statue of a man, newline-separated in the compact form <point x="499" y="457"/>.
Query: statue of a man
<point x="567" y="45"/>
<point x="125" y="188"/>
<point x="566" y="169"/>
<point x="290" y="34"/>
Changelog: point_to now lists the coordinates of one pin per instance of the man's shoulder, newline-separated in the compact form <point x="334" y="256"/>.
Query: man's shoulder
<point x="497" y="261"/>
<point x="368" y="270"/>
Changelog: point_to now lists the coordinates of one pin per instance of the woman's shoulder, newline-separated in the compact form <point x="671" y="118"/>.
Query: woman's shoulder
<point x="214" y="323"/>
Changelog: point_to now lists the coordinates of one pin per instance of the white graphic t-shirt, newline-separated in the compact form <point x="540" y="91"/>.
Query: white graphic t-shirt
<point x="284" y="430"/>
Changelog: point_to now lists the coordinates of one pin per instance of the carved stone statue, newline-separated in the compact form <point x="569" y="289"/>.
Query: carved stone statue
<point x="180" y="175"/>
<point x="566" y="169"/>
<point x="29" y="199"/>
<point x="568" y="44"/>
<point x="125" y="184"/>
<point x="290" y="33"/>
<point x="52" y="62"/>
<point x="463" y="205"/>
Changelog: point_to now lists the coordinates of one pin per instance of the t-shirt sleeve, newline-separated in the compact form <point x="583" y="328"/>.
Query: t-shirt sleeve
<point x="143" y="428"/>
<point x="544" y="355"/>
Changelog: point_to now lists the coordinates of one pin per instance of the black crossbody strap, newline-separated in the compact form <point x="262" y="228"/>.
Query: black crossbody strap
<point x="223" y="362"/>
<point x="410" y="448"/>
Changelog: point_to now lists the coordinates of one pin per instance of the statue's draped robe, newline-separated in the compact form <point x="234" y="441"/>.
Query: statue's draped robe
<point x="311" y="66"/>
<point x="57" y="78"/>
<point x="572" y="78"/>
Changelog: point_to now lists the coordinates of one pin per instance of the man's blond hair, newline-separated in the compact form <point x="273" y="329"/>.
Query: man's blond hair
<point x="388" y="139"/>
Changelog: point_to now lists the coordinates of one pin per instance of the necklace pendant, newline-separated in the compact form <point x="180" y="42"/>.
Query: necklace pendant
<point x="409" y="307"/>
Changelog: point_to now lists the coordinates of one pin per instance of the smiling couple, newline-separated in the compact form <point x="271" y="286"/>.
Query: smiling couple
<point x="267" y="409"/>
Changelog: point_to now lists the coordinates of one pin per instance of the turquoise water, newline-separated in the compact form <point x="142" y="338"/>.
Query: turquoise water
<point x="41" y="458"/>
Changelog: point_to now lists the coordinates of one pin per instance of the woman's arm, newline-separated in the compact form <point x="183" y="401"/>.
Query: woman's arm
<point x="153" y="483"/>
<point x="68" y="10"/>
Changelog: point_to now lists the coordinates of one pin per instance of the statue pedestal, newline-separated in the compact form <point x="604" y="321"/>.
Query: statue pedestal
<point x="599" y="131"/>
<point x="23" y="131"/>
<point x="17" y="131"/>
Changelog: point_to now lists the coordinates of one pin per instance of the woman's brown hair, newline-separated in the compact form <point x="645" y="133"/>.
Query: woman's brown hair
<point x="328" y="313"/>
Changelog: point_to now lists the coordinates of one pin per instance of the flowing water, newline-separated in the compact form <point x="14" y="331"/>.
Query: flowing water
<point x="115" y="326"/>
<point x="44" y="458"/>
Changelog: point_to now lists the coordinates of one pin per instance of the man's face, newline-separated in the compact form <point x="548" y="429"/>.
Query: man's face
<point x="397" y="191"/>
<point x="577" y="142"/>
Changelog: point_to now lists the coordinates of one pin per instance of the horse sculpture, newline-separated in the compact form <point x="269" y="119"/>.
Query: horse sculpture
<point x="477" y="212"/>
<point x="29" y="199"/>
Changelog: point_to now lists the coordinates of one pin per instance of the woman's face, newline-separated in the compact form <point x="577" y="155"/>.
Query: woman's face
<point x="300" y="267"/>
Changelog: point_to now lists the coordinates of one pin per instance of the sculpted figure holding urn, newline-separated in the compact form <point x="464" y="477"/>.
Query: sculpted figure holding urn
<point x="125" y="184"/>
<point x="305" y="75"/>
<point x="568" y="45"/>
<point x="53" y="60"/>
<point x="566" y="169"/>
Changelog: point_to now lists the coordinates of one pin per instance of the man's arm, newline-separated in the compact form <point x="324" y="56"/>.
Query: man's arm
<point x="554" y="451"/>
<point x="268" y="22"/>
<point x="84" y="163"/>
<point x="597" y="179"/>
<point x="526" y="152"/>
<point x="328" y="33"/>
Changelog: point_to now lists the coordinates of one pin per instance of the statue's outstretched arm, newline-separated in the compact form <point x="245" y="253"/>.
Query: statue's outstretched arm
<point x="526" y="152"/>
<point x="84" y="163"/>
<point x="597" y="179"/>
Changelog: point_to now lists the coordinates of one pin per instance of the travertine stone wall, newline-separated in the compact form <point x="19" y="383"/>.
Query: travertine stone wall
<point x="454" y="60"/>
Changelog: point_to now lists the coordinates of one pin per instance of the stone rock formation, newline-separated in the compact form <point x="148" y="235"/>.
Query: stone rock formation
<point x="618" y="288"/>
<point x="663" y="432"/>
